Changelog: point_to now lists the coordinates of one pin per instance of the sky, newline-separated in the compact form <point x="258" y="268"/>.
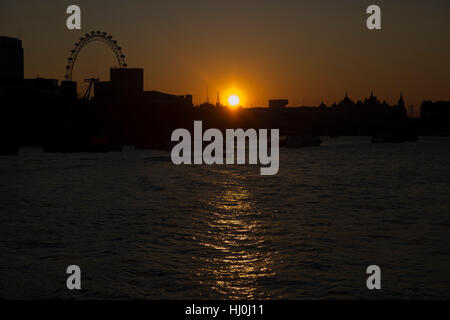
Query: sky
<point x="304" y="51"/>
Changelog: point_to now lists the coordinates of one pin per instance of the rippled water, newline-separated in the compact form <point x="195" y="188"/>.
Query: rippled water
<point x="140" y="227"/>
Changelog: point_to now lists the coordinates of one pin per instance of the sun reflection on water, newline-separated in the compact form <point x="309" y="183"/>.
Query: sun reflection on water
<point x="236" y="260"/>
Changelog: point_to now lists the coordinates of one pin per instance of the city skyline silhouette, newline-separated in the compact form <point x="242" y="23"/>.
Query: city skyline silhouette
<point x="122" y="112"/>
<point x="307" y="53"/>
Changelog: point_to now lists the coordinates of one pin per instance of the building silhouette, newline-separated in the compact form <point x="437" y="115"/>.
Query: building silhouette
<point x="278" y="103"/>
<point x="435" y="117"/>
<point x="69" y="90"/>
<point x="127" y="82"/>
<point x="11" y="59"/>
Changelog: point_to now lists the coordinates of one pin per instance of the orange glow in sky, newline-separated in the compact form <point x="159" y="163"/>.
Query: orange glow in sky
<point x="305" y="51"/>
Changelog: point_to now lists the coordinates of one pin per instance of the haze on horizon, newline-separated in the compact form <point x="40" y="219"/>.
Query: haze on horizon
<point x="304" y="51"/>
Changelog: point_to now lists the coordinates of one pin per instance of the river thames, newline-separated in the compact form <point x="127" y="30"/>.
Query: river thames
<point x="140" y="227"/>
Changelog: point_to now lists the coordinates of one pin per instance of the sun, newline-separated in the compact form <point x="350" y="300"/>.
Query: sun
<point x="233" y="100"/>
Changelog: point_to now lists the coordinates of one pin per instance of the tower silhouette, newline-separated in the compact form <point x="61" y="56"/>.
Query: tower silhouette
<point x="218" y="100"/>
<point x="11" y="59"/>
<point x="401" y="103"/>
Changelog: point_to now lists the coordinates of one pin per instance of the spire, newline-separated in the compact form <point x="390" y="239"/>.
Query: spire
<point x="401" y="103"/>
<point x="346" y="100"/>
<point x="218" y="100"/>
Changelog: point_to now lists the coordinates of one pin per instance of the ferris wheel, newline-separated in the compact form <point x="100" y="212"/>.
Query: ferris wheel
<point x="85" y="40"/>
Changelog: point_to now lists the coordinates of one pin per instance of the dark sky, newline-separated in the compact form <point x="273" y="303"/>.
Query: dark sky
<point x="305" y="51"/>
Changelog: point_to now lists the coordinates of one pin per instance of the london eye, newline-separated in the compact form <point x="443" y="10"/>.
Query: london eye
<point x="84" y="41"/>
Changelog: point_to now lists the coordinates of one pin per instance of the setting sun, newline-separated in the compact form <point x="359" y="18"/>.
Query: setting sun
<point x="233" y="100"/>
